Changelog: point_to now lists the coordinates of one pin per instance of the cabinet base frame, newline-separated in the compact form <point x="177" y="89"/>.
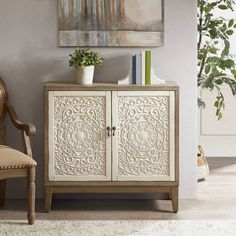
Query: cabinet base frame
<point x="171" y="190"/>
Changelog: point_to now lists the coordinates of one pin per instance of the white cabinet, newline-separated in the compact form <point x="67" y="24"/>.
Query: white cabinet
<point x="111" y="139"/>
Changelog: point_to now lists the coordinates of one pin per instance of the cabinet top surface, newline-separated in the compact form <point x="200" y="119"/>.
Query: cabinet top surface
<point x="68" y="85"/>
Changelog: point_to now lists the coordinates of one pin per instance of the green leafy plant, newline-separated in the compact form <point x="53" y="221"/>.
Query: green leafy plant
<point x="85" y="57"/>
<point x="215" y="63"/>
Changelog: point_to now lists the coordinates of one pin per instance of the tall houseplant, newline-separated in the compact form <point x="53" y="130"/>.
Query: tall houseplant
<point x="216" y="65"/>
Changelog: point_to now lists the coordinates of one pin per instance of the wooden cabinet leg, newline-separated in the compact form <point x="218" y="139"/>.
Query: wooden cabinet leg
<point x="48" y="198"/>
<point x="31" y="195"/>
<point x="2" y="192"/>
<point x="174" y="194"/>
<point x="170" y="197"/>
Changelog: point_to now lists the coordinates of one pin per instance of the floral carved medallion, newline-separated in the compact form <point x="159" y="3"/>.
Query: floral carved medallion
<point x="79" y="136"/>
<point x="143" y="136"/>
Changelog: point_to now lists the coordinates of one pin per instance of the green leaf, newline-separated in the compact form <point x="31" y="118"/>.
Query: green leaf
<point x="234" y="73"/>
<point x="223" y="7"/>
<point x="207" y="69"/>
<point x="231" y="22"/>
<point x="216" y="104"/>
<point x="219" y="81"/>
<point x="225" y="51"/>
<point x="227" y="43"/>
<point x="220" y="115"/>
<point x="229" y="63"/>
<point x="229" y="32"/>
<point x="213" y="50"/>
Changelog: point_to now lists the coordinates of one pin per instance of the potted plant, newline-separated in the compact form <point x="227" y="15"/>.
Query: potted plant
<point x="84" y="61"/>
<point x="216" y="66"/>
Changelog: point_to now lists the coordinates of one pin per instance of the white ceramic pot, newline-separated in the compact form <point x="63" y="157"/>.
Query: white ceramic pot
<point x="84" y="75"/>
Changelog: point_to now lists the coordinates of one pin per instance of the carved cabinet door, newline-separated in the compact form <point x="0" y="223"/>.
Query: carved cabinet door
<point x="143" y="145"/>
<point x="79" y="147"/>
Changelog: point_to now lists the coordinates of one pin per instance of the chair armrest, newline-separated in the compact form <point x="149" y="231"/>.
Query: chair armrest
<point x="29" y="128"/>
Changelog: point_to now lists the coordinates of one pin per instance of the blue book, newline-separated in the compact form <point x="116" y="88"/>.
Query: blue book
<point x="134" y="69"/>
<point x="138" y="69"/>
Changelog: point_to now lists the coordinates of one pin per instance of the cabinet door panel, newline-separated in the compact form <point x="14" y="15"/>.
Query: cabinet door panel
<point x="79" y="148"/>
<point x="143" y="146"/>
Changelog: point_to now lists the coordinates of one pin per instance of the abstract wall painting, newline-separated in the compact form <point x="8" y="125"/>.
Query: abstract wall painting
<point x="111" y="23"/>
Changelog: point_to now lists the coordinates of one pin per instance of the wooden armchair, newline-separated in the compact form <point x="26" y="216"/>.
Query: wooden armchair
<point x="12" y="162"/>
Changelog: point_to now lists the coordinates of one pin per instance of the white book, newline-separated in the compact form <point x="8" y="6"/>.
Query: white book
<point x="143" y="67"/>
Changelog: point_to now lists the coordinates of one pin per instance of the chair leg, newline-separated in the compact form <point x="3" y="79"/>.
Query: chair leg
<point x="2" y="192"/>
<point x="31" y="195"/>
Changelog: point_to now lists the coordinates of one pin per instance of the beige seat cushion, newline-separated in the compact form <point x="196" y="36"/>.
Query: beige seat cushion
<point x="12" y="159"/>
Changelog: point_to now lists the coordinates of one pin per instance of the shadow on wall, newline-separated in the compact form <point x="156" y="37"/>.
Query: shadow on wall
<point x="25" y="77"/>
<point x="113" y="69"/>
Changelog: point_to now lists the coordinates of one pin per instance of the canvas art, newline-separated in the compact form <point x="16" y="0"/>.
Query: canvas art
<point x="110" y="23"/>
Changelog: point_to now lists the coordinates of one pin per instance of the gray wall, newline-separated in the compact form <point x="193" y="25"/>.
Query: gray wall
<point x="29" y="56"/>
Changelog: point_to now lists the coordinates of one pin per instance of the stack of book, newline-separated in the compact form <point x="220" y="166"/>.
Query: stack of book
<point x="141" y="68"/>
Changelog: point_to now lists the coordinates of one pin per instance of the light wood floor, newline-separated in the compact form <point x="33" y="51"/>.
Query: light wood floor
<point x="216" y="200"/>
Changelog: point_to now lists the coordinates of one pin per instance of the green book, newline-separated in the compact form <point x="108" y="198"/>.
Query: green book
<point x="148" y="59"/>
